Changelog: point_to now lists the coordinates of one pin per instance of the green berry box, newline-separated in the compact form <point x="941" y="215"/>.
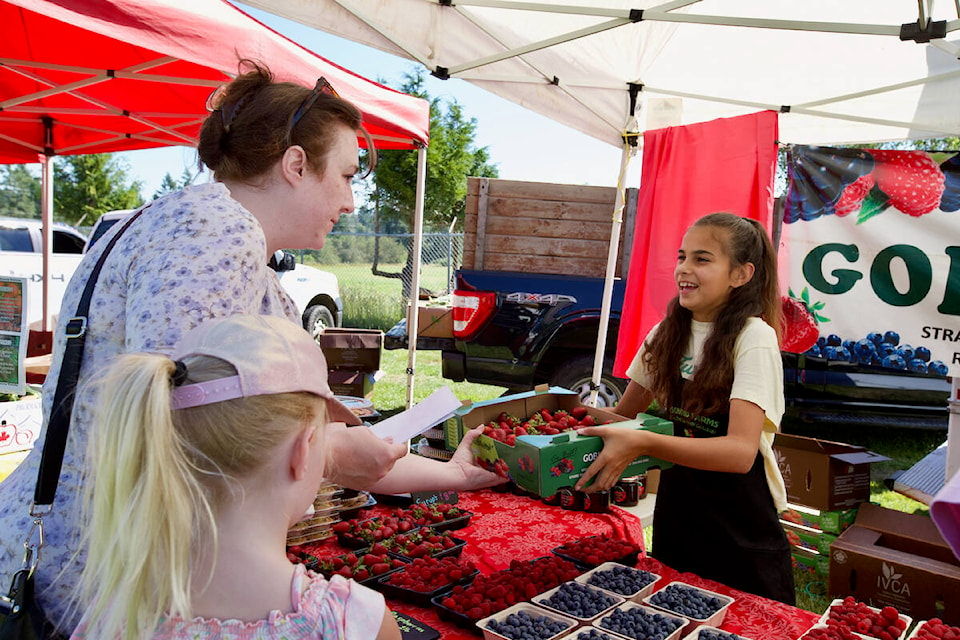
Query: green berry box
<point x="826" y="521"/>
<point x="807" y="538"/>
<point x="544" y="464"/>
<point x="810" y="561"/>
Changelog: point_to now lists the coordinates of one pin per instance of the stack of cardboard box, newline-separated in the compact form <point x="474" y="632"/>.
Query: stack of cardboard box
<point x="826" y="482"/>
<point x="353" y="356"/>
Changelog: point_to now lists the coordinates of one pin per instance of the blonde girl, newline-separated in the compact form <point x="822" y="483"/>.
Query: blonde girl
<point x="200" y="462"/>
<point x="713" y="366"/>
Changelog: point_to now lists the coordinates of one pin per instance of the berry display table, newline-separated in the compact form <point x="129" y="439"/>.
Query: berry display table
<point x="505" y="527"/>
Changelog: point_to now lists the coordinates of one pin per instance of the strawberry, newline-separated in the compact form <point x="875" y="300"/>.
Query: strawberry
<point x="800" y="322"/>
<point x="578" y="412"/>
<point x="912" y="181"/>
<point x="380" y="568"/>
<point x="853" y="195"/>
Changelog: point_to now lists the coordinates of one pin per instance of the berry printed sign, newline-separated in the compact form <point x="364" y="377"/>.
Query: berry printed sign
<point x="870" y="255"/>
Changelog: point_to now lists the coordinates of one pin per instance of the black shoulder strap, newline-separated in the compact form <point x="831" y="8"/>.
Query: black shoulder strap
<point x="51" y="461"/>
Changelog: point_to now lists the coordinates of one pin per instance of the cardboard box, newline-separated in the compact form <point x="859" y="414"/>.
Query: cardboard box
<point x="807" y="538"/>
<point x="355" y="349"/>
<point x="898" y="559"/>
<point x="344" y="382"/>
<point x="822" y="474"/>
<point x="435" y="322"/>
<point x="826" y="521"/>
<point x="545" y="464"/>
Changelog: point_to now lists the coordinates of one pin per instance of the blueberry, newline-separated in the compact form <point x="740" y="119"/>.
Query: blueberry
<point x="885" y="349"/>
<point x="922" y="353"/>
<point x="874" y="337"/>
<point x="813" y="351"/>
<point x="917" y="365"/>
<point x="892" y="337"/>
<point x="893" y="361"/>
<point x="834" y="340"/>
<point x="938" y="368"/>
<point x="905" y="351"/>
<point x="865" y="348"/>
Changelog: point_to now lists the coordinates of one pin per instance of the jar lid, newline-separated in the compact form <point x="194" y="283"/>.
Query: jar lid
<point x="361" y="407"/>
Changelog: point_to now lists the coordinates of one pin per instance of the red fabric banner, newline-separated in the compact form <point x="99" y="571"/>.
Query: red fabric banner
<point x="722" y="165"/>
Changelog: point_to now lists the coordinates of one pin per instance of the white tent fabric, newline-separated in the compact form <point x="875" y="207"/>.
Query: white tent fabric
<point x="838" y="71"/>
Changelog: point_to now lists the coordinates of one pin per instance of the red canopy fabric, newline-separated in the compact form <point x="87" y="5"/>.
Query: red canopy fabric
<point x="119" y="75"/>
<point x="732" y="161"/>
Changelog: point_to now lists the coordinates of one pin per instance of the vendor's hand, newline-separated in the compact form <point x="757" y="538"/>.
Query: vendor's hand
<point x="620" y="448"/>
<point x="474" y="476"/>
<point x="357" y="458"/>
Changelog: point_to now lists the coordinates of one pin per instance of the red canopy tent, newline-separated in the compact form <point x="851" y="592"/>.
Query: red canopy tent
<point x="97" y="76"/>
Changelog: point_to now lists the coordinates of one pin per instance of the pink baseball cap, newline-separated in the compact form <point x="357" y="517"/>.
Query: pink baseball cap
<point x="271" y="355"/>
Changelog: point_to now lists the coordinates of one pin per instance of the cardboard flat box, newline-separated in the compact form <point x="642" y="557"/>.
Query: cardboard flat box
<point x="435" y="322"/>
<point x="344" y="382"/>
<point x="823" y="474"/>
<point x="898" y="559"/>
<point x="355" y="349"/>
<point x="544" y="464"/>
<point x="826" y="521"/>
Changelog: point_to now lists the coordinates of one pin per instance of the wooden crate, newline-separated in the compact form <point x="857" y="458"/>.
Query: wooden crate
<point x="539" y="227"/>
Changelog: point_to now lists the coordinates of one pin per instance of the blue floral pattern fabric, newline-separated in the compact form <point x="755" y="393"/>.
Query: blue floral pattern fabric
<point x="191" y="256"/>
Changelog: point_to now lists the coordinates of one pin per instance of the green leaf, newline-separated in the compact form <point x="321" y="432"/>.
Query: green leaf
<point x="875" y="203"/>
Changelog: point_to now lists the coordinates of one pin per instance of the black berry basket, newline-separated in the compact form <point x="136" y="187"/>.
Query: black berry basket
<point x="451" y="524"/>
<point x="361" y="539"/>
<point x="592" y="551"/>
<point x="420" y="598"/>
<point x="451" y="615"/>
<point x="455" y="550"/>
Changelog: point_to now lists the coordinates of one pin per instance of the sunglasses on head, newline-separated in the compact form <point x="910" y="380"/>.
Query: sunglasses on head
<point x="322" y="86"/>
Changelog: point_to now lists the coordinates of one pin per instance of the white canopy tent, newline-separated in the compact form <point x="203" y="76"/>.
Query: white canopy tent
<point x="838" y="72"/>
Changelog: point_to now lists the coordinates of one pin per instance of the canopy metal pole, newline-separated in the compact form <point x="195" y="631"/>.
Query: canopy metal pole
<point x="415" y="274"/>
<point x="46" y="215"/>
<point x="953" y="432"/>
<point x="612" y="253"/>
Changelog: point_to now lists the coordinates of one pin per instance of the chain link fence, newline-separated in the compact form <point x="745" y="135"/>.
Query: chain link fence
<point x="374" y="275"/>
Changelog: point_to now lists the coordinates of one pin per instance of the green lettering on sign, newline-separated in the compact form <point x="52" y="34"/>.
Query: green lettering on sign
<point x="845" y="278"/>
<point x="919" y="270"/>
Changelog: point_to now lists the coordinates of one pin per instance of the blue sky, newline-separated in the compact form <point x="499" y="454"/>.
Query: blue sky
<point x="524" y="145"/>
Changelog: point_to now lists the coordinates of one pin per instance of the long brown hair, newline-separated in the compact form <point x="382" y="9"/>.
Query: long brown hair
<point x="744" y="241"/>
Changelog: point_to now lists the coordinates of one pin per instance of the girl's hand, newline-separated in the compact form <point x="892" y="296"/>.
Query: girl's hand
<point x="474" y="476"/>
<point x="620" y="447"/>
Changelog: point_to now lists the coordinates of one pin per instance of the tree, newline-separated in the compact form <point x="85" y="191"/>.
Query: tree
<point x="19" y="192"/>
<point x="169" y="185"/>
<point x="451" y="157"/>
<point x="85" y="186"/>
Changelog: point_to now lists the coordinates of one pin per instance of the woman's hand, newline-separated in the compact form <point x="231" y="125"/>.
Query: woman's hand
<point x="620" y="447"/>
<point x="357" y="458"/>
<point x="474" y="476"/>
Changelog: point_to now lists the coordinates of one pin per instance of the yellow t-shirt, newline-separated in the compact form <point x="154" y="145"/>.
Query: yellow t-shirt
<point x="757" y="378"/>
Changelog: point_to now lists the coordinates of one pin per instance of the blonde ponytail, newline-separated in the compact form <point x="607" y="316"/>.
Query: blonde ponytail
<point x="142" y="500"/>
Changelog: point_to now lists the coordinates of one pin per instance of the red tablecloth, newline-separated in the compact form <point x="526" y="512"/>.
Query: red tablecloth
<point x="506" y="527"/>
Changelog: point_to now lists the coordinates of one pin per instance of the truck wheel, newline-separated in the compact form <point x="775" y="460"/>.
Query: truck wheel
<point x="318" y="318"/>
<point x="576" y="374"/>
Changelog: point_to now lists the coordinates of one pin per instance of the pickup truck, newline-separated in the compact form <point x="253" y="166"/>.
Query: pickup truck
<point x="518" y="329"/>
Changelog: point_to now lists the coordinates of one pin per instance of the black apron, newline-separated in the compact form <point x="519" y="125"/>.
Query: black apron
<point x="721" y="526"/>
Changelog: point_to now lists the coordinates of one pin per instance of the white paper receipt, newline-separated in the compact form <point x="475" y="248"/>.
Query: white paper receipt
<point x="436" y="408"/>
